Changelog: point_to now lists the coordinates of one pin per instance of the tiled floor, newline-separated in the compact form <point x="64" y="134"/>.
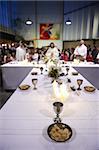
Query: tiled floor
<point x="4" y="96"/>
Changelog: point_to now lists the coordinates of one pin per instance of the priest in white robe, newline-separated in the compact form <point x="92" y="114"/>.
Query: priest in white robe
<point x="20" y="52"/>
<point x="81" y="51"/>
<point x="52" y="52"/>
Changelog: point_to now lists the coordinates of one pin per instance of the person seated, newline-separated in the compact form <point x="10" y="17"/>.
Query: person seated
<point x="52" y="52"/>
<point x="29" y="56"/>
<point x="89" y="57"/>
<point x="88" y="49"/>
<point x="13" y="55"/>
<point x="44" y="50"/>
<point x="39" y="54"/>
<point x="66" y="56"/>
<point x="35" y="56"/>
<point x="94" y="54"/>
<point x="8" y="58"/>
<point x="62" y="55"/>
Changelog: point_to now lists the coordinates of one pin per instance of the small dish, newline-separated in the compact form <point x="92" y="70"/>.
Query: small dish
<point x="33" y="73"/>
<point x="59" y="132"/>
<point x="75" y="73"/>
<point x="24" y="87"/>
<point x="89" y="88"/>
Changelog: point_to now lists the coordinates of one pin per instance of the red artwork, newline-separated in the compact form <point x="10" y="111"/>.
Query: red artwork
<point x="49" y="32"/>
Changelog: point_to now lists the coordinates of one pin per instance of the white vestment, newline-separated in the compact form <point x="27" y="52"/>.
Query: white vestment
<point x="81" y="50"/>
<point x="52" y="53"/>
<point x="20" y="53"/>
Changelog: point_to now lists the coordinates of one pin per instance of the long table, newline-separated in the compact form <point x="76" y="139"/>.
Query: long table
<point x="91" y="73"/>
<point x="14" y="72"/>
<point x="25" y="117"/>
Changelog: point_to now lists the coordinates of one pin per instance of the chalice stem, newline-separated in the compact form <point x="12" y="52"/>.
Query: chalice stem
<point x="57" y="115"/>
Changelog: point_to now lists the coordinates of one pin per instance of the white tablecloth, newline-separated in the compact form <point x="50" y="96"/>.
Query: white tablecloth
<point x="14" y="72"/>
<point x="25" y="117"/>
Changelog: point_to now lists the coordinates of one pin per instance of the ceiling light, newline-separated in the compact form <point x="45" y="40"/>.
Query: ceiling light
<point x="68" y="22"/>
<point x="28" y="22"/>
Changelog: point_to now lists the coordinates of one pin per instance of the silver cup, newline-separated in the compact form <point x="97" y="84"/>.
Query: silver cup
<point x="79" y="82"/>
<point x="34" y="82"/>
<point x="57" y="106"/>
<point x="41" y="69"/>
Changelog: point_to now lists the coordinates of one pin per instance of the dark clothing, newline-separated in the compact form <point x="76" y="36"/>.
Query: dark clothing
<point x="88" y="51"/>
<point x="94" y="55"/>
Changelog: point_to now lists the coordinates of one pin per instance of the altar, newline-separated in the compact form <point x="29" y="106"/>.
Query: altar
<point x="14" y="72"/>
<point x="26" y="116"/>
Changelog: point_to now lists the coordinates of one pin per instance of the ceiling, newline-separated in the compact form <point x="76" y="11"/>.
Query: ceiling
<point x="73" y="5"/>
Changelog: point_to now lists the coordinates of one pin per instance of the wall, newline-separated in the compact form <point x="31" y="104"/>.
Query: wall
<point x="25" y="10"/>
<point x="7" y="13"/>
<point x="85" y="24"/>
<point x="50" y="12"/>
<point x="73" y="44"/>
<point x="39" y="12"/>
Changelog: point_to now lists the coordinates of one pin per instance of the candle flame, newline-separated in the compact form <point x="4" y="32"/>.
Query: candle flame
<point x="61" y="92"/>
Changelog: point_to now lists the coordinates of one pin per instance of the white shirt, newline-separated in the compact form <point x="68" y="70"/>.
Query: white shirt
<point x="35" y="56"/>
<point x="81" y="50"/>
<point x="52" y="51"/>
<point x="98" y="56"/>
<point x="20" y="53"/>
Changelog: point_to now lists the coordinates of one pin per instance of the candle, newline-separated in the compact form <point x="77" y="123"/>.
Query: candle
<point x="63" y="92"/>
<point x="76" y="61"/>
<point x="56" y="89"/>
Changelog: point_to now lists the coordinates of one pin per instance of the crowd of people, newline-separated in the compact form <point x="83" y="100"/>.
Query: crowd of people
<point x="21" y="51"/>
<point x="82" y="52"/>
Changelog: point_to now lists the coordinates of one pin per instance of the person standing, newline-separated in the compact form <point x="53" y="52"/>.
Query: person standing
<point x="20" y="52"/>
<point x="97" y="57"/>
<point x="52" y="52"/>
<point x="94" y="54"/>
<point x="81" y="51"/>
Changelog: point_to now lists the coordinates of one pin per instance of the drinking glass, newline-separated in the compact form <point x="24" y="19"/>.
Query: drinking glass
<point x="41" y="68"/>
<point x="79" y="82"/>
<point x="34" y="82"/>
<point x="67" y="70"/>
<point x="57" y="106"/>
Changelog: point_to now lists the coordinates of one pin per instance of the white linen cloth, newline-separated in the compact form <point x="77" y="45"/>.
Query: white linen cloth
<point x="81" y="50"/>
<point x="25" y="117"/>
<point x="14" y="72"/>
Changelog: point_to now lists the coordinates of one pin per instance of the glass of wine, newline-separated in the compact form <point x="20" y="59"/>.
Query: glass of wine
<point x="34" y="82"/>
<point x="67" y="70"/>
<point x="79" y="82"/>
<point x="41" y="69"/>
<point x="57" y="106"/>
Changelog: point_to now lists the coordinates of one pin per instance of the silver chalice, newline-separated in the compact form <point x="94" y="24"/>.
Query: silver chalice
<point x="57" y="106"/>
<point x="34" y="82"/>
